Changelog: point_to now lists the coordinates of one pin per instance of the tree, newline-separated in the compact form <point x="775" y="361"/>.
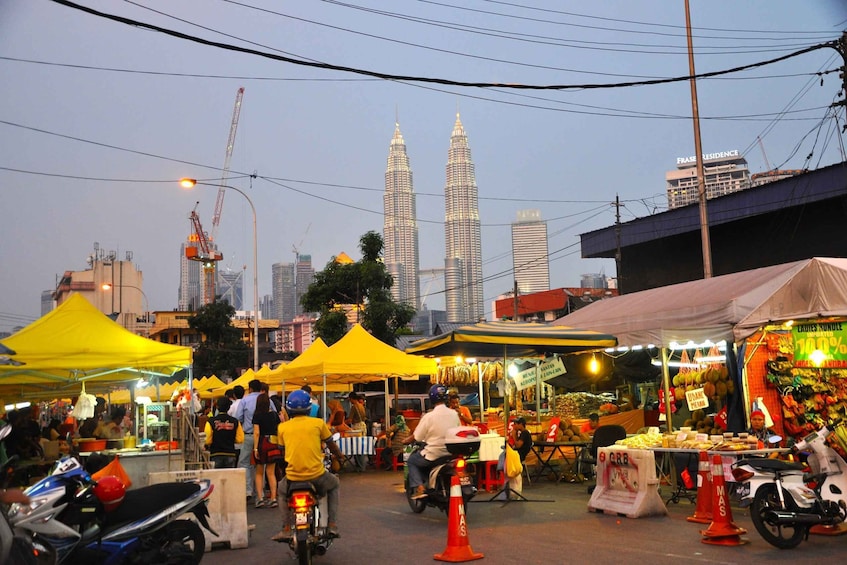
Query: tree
<point x="366" y="283"/>
<point x="223" y="351"/>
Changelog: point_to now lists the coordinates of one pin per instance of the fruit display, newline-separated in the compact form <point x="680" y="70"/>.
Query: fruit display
<point x="577" y="404"/>
<point x="702" y="424"/>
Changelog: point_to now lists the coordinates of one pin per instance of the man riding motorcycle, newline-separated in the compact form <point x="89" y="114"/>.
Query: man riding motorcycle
<point x="431" y="430"/>
<point x="301" y="436"/>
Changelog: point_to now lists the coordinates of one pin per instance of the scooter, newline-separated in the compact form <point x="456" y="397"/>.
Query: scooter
<point x="784" y="506"/>
<point x="308" y="512"/>
<point x="18" y="549"/>
<point x="67" y="514"/>
<point x="461" y="442"/>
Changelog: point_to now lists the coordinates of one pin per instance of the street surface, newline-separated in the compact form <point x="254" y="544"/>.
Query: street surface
<point x="377" y="527"/>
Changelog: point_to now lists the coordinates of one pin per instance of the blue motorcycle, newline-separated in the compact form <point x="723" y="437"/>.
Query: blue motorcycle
<point x="88" y="521"/>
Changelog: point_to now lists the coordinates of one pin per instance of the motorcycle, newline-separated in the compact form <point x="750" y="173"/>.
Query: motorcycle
<point x="15" y="548"/>
<point x="88" y="521"/>
<point x="784" y="507"/>
<point x="461" y="442"/>
<point x="308" y="512"/>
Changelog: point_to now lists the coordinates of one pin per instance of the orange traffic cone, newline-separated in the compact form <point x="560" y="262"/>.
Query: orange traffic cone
<point x="458" y="546"/>
<point x="722" y="530"/>
<point x="703" y="512"/>
<point x="822" y="530"/>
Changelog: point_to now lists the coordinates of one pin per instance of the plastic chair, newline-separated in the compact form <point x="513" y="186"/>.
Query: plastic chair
<point x="604" y="436"/>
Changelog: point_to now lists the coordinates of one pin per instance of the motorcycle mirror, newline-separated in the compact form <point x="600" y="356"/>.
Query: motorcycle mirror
<point x="336" y="436"/>
<point x="5" y="431"/>
<point x="774" y="439"/>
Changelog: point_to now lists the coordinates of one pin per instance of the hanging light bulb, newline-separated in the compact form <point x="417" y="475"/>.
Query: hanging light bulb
<point x="594" y="365"/>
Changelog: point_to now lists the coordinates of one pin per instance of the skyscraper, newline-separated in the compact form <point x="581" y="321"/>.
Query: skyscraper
<point x="529" y="252"/>
<point x="284" y="291"/>
<point x="190" y="282"/>
<point x="231" y="287"/>
<point x="305" y="277"/>
<point x="726" y="172"/>
<point x="463" y="260"/>
<point x="400" y="228"/>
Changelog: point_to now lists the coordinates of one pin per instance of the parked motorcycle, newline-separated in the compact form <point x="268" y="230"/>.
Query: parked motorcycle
<point x="461" y="442"/>
<point x="15" y="548"/>
<point x="784" y="506"/>
<point x="88" y="521"/>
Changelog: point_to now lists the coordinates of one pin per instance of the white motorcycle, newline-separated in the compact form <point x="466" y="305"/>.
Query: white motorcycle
<point x="784" y="507"/>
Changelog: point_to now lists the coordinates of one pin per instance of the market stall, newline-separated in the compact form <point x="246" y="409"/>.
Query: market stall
<point x="753" y="313"/>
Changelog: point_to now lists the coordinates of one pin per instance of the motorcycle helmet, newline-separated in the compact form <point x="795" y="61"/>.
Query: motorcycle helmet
<point x="110" y="491"/>
<point x="437" y="394"/>
<point x="298" y="402"/>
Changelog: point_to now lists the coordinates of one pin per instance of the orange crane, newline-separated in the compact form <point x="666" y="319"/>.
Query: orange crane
<point x="204" y="250"/>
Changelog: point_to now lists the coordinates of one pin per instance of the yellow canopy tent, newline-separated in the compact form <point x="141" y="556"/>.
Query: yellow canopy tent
<point x="312" y="355"/>
<point x="357" y="357"/>
<point x="77" y="343"/>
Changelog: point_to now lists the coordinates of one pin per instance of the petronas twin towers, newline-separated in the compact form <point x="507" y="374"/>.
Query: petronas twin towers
<point x="463" y="245"/>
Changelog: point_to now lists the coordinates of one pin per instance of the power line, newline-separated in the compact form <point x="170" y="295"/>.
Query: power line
<point x="390" y="76"/>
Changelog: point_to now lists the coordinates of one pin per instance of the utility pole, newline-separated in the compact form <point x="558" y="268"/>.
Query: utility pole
<point x="698" y="152"/>
<point x="618" y="241"/>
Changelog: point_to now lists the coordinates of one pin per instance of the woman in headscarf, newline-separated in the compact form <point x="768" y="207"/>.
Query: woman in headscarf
<point x="398" y="435"/>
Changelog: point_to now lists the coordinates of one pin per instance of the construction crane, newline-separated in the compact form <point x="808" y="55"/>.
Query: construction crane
<point x="204" y="250"/>
<point x="219" y="204"/>
<point x="201" y="249"/>
<point x="765" y="155"/>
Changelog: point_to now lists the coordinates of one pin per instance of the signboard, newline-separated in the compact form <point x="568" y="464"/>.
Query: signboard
<point x="546" y="371"/>
<point x="828" y="340"/>
<point x="627" y="483"/>
<point x="697" y="399"/>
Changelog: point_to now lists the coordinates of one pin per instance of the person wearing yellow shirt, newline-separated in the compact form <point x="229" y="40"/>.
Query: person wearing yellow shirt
<point x="301" y="436"/>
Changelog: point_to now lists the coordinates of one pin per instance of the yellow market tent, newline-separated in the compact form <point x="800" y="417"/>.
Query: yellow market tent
<point x="77" y="343"/>
<point x="358" y="357"/>
<point x="313" y="354"/>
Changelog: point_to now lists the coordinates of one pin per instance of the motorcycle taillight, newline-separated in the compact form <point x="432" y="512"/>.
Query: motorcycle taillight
<point x="301" y="500"/>
<point x="460" y="464"/>
<point x="741" y="475"/>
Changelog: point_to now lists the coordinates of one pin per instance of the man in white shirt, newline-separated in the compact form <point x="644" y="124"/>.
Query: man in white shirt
<point x="431" y="430"/>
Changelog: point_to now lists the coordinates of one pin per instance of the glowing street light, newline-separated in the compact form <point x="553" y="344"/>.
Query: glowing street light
<point x="109" y="286"/>
<point x="191" y="183"/>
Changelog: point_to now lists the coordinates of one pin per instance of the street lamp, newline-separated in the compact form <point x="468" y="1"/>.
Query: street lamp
<point x="109" y="286"/>
<point x="191" y="183"/>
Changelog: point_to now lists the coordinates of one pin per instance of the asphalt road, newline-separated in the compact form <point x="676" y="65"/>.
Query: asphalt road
<point x="555" y="526"/>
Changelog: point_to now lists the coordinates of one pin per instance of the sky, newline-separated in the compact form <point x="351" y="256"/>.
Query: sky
<point x="99" y="120"/>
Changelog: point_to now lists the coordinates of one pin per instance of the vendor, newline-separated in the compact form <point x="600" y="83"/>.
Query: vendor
<point x="757" y="426"/>
<point x="592" y="424"/>
<point x="113" y="428"/>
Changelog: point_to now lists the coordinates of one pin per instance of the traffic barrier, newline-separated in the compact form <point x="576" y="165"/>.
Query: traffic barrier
<point x="703" y="512"/>
<point x="722" y="530"/>
<point x="458" y="546"/>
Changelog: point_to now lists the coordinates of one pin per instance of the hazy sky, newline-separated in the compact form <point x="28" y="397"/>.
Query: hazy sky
<point x="99" y="120"/>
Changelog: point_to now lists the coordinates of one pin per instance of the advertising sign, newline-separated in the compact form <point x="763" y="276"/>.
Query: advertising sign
<point x="820" y="344"/>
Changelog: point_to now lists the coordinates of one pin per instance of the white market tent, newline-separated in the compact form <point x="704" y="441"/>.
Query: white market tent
<point x="730" y="307"/>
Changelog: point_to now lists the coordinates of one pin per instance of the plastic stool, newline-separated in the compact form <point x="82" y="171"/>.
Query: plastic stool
<point x="489" y="478"/>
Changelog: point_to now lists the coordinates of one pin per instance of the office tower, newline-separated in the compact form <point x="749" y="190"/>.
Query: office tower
<point x="529" y="252"/>
<point x="400" y="228"/>
<point x="231" y="287"/>
<point x="725" y="172"/>
<point x="284" y="291"/>
<point x="463" y="261"/>
<point x="267" y="307"/>
<point x="305" y="277"/>
<point x="190" y="282"/>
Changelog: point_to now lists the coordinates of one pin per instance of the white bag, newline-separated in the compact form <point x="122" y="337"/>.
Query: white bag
<point x="85" y="405"/>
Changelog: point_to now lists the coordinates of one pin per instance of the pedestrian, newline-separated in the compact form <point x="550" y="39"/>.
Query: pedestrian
<point x="244" y="415"/>
<point x="266" y="452"/>
<point x="222" y="433"/>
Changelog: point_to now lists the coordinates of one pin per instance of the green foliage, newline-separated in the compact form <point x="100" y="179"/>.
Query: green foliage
<point x="366" y="282"/>
<point x="222" y="352"/>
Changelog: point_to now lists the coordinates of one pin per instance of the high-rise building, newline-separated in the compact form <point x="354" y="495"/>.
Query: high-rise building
<point x="400" y="228"/>
<point x="231" y="287"/>
<point x="305" y="277"/>
<point x="190" y="282"/>
<point x="267" y="307"/>
<point x="463" y="260"/>
<point x="530" y="258"/>
<point x="725" y="172"/>
<point x="284" y="291"/>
